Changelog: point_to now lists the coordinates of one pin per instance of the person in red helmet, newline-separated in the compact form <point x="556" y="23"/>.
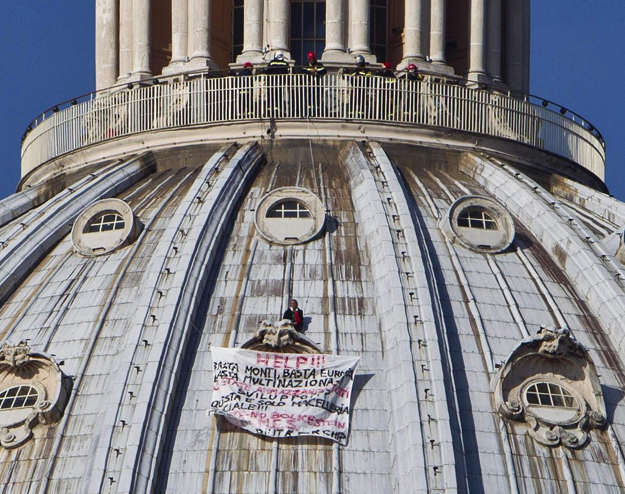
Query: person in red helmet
<point x="246" y="91"/>
<point x="248" y="69"/>
<point x="386" y="71"/>
<point x="412" y="73"/>
<point x="314" y="67"/>
<point x="316" y="71"/>
<point x="413" y="107"/>
<point x="386" y="90"/>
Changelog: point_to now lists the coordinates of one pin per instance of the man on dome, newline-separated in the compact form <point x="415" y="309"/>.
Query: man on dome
<point x="295" y="315"/>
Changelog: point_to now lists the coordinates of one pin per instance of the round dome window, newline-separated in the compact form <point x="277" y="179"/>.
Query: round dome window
<point x="289" y="215"/>
<point x="551" y="402"/>
<point x="480" y="224"/>
<point x="103" y="227"/>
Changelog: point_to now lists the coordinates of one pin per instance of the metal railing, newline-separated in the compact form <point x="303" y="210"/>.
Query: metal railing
<point x="433" y="103"/>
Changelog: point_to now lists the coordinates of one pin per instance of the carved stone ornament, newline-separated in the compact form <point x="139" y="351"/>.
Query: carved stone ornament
<point x="549" y="382"/>
<point x="15" y="356"/>
<point x="33" y="391"/>
<point x="280" y="337"/>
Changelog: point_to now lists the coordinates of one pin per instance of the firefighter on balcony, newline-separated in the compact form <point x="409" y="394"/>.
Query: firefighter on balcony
<point x="314" y="67"/>
<point x="412" y="73"/>
<point x="413" y="105"/>
<point x="361" y="66"/>
<point x="276" y="103"/>
<point x="314" y="92"/>
<point x="246" y="91"/>
<point x="386" y="90"/>
<point x="361" y="94"/>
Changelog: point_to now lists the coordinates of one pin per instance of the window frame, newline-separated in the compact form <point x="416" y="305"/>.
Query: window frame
<point x="119" y="222"/>
<point x="561" y="393"/>
<point x="301" y="42"/>
<point x="300" y="210"/>
<point x="4" y="398"/>
<point x="478" y="223"/>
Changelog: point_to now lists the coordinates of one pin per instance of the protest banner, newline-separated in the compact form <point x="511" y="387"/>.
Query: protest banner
<point x="284" y="394"/>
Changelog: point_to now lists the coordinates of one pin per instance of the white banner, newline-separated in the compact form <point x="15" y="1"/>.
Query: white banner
<point x="284" y="394"/>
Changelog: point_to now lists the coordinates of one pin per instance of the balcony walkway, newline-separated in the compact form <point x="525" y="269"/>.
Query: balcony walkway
<point x="435" y="104"/>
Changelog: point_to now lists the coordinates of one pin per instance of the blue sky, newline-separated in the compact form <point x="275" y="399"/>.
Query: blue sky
<point x="578" y="61"/>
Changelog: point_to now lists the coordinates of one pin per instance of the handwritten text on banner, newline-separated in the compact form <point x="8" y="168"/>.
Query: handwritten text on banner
<point x="284" y="394"/>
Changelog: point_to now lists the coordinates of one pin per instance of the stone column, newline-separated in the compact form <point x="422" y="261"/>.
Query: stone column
<point x="514" y="46"/>
<point x="201" y="36"/>
<point x="437" y="31"/>
<point x="279" y="27"/>
<point x="179" y="31"/>
<point x="493" y="54"/>
<point x="413" y="32"/>
<point x="141" y="39"/>
<point x="106" y="43"/>
<point x="477" y="50"/>
<point x="252" y="32"/>
<point x="525" y="72"/>
<point x="125" y="39"/>
<point x="359" y="25"/>
<point x="335" y="50"/>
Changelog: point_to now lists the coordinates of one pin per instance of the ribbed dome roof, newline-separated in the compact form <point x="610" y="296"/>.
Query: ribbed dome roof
<point x="436" y="314"/>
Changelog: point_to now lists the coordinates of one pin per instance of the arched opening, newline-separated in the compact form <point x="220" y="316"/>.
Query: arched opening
<point x="457" y="29"/>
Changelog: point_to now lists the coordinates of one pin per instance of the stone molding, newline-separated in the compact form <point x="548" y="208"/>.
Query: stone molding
<point x="280" y="337"/>
<point x="551" y="356"/>
<point x="19" y="366"/>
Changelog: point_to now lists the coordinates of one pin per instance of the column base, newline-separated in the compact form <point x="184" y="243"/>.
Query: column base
<point x="197" y="64"/>
<point x="272" y="53"/>
<point x="143" y="75"/>
<point x="479" y="78"/>
<point x="254" y="57"/>
<point x="337" y="56"/>
<point x="435" y="68"/>
<point x="369" y="57"/>
<point x="175" y="68"/>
